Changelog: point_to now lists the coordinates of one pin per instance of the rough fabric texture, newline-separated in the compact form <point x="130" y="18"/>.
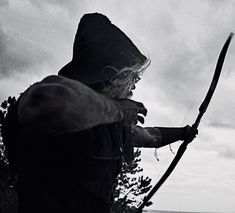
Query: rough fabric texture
<point x="98" y="46"/>
<point x="85" y="189"/>
<point x="71" y="172"/>
<point x="59" y="105"/>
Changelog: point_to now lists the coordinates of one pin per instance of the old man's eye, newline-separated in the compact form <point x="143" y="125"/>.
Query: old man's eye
<point x="137" y="79"/>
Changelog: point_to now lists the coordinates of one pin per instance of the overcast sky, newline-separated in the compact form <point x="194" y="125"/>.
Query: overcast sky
<point x="183" y="39"/>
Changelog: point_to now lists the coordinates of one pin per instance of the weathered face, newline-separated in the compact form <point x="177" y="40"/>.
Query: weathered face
<point x="132" y="87"/>
<point x="121" y="87"/>
<point x="123" y="82"/>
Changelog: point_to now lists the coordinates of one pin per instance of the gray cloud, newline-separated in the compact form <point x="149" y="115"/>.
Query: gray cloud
<point x="219" y="124"/>
<point x="189" y="51"/>
<point x="180" y="75"/>
<point x="222" y="113"/>
<point x="218" y="138"/>
<point x="3" y="3"/>
<point x="228" y="152"/>
<point x="9" y="60"/>
<point x="17" y="55"/>
<point x="226" y="148"/>
<point x="52" y="2"/>
<point x="227" y="123"/>
<point x="71" y="7"/>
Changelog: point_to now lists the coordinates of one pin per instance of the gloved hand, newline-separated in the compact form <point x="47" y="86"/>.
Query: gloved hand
<point x="132" y="111"/>
<point x="189" y="133"/>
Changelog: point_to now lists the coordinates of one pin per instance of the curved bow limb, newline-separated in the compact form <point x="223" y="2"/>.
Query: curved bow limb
<point x="202" y="110"/>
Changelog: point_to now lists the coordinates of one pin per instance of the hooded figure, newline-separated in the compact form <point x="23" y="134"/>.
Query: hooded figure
<point x="100" y="49"/>
<point x="68" y="134"/>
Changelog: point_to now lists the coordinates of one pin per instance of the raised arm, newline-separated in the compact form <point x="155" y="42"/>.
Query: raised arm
<point x="148" y="137"/>
<point x="155" y="137"/>
<point x="58" y="105"/>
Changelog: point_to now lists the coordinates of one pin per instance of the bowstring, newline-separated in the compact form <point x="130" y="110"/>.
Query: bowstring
<point x="186" y="115"/>
<point x="191" y="105"/>
<point x="170" y="147"/>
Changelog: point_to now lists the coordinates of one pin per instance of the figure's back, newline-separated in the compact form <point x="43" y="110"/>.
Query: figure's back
<point x="67" y="172"/>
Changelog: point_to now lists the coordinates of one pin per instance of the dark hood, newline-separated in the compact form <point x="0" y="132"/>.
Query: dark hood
<point x="98" y="45"/>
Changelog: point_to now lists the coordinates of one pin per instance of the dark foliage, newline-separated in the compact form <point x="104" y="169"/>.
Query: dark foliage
<point x="130" y="188"/>
<point x="8" y="198"/>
